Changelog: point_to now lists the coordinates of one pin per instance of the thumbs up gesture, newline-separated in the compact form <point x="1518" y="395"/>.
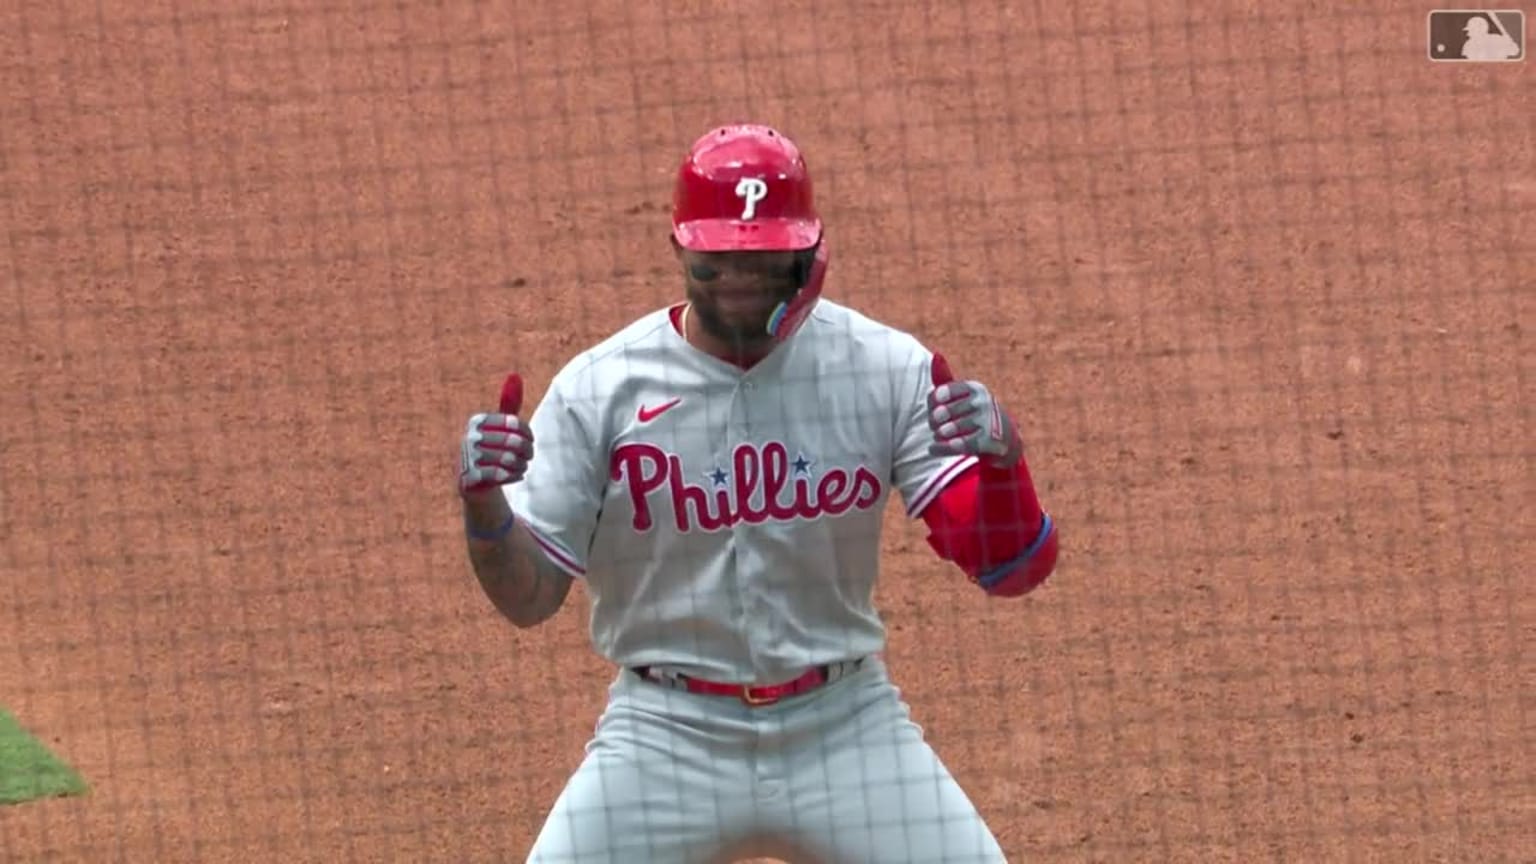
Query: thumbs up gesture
<point x="496" y="446"/>
<point x="967" y="419"/>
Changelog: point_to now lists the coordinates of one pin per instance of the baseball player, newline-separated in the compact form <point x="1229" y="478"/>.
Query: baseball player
<point x="715" y="473"/>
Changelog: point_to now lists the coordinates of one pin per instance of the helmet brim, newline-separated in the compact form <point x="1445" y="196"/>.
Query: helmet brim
<point x="756" y="235"/>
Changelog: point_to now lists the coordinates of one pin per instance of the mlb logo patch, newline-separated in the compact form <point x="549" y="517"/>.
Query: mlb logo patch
<point x="1477" y="35"/>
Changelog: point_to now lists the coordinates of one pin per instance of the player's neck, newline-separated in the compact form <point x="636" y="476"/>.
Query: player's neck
<point x="698" y="337"/>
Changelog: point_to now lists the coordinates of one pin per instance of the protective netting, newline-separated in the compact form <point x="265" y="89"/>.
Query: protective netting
<point x="1256" y="278"/>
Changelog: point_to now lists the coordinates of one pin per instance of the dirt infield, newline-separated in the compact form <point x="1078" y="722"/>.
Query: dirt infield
<point x="1261" y="289"/>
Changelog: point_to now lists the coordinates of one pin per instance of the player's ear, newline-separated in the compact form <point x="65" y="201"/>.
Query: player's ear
<point x="677" y="248"/>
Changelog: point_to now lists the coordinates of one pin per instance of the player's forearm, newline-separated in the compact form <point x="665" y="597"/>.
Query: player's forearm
<point x="513" y="571"/>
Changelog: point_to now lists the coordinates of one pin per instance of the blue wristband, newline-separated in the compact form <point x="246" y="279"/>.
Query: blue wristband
<point x="493" y="537"/>
<point x="997" y="574"/>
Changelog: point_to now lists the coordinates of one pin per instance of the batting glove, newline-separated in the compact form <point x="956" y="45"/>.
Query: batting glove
<point x="497" y="446"/>
<point x="967" y="420"/>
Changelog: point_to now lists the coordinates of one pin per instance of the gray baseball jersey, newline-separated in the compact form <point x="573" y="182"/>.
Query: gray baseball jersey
<point x="727" y="522"/>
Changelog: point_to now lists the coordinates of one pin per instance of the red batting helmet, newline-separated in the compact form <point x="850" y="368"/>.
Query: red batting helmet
<point x="745" y="188"/>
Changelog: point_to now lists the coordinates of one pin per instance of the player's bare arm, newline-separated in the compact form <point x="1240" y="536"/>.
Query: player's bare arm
<point x="515" y="573"/>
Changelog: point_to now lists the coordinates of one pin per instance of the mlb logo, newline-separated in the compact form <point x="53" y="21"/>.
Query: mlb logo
<point x="1477" y="35"/>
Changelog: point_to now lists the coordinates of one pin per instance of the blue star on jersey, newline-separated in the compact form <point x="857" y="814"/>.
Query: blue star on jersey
<point x="802" y="465"/>
<point x="717" y="476"/>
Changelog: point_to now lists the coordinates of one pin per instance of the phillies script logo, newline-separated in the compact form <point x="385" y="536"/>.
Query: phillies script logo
<point x="788" y="491"/>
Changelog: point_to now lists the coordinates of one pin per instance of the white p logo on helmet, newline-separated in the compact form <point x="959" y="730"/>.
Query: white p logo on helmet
<point x="751" y="190"/>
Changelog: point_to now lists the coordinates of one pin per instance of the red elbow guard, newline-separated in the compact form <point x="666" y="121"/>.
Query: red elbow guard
<point x="1031" y="568"/>
<point x="989" y="523"/>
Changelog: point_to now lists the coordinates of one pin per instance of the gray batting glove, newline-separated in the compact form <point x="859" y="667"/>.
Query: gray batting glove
<point x="497" y="446"/>
<point x="967" y="420"/>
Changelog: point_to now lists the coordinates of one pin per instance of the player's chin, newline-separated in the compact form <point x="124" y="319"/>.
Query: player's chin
<point x="743" y="313"/>
<point x="744" y="306"/>
<point x="746" y="331"/>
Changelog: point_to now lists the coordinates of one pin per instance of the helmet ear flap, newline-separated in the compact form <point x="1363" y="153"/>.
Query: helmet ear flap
<point x="805" y="260"/>
<point x="789" y="315"/>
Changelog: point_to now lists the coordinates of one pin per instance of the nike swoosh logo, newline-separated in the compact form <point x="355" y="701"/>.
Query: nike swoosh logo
<point x="646" y="415"/>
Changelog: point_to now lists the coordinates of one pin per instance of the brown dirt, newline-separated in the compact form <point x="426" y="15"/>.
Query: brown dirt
<point x="1259" y="288"/>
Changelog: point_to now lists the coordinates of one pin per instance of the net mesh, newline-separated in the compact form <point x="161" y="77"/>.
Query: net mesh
<point x="1256" y="279"/>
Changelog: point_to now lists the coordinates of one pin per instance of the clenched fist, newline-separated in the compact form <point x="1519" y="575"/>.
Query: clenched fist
<point x="497" y="446"/>
<point x="967" y="419"/>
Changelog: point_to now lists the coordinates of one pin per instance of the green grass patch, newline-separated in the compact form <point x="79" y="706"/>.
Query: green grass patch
<point x="27" y="770"/>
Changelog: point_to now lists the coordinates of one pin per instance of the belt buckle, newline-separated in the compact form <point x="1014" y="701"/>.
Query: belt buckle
<point x="755" y="701"/>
